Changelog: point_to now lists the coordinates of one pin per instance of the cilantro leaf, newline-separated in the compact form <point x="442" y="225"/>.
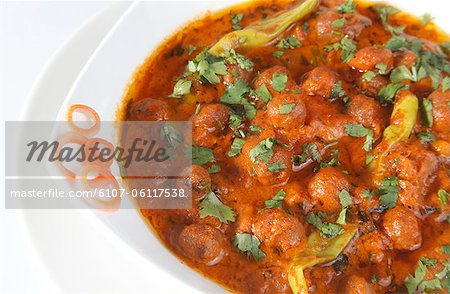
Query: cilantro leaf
<point x="326" y="229"/>
<point x="275" y="201"/>
<point x="367" y="194"/>
<point x="338" y="23"/>
<point x="201" y="155"/>
<point x="368" y="76"/>
<point x="182" y="87"/>
<point x="347" y="46"/>
<point x="236" y="20"/>
<point x="263" y="93"/>
<point x="214" y="169"/>
<point x="345" y="198"/>
<point x="255" y="128"/>
<point x="207" y="67"/>
<point x="348" y="6"/>
<point x="276" y="167"/>
<point x="249" y="244"/>
<point x="279" y="81"/>
<point x="309" y="151"/>
<point x="445" y="248"/>
<point x="443" y="197"/>
<point x="359" y="131"/>
<point x="426" y="137"/>
<point x="278" y="54"/>
<point x="236" y="147"/>
<point x="289" y="43"/>
<point x="346" y="201"/>
<point x="446" y="84"/>
<point x="173" y="136"/>
<point x="402" y="73"/>
<point x="242" y="61"/>
<point x="426" y="18"/>
<point x="337" y="91"/>
<point x="427" y="112"/>
<point x="212" y="206"/>
<point x="263" y="151"/>
<point x="235" y="94"/>
<point x="387" y="93"/>
<point x="389" y="192"/>
<point x="287" y="108"/>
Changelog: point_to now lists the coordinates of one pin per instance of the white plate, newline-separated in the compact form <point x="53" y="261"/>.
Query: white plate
<point x="103" y="80"/>
<point x="80" y="255"/>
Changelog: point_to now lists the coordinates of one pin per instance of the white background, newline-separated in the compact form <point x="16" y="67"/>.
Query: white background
<point x="30" y="33"/>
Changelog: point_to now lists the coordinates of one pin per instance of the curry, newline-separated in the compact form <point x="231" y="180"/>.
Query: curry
<point x="321" y="147"/>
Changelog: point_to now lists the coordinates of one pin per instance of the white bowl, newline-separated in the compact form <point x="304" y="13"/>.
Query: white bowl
<point x="104" y="78"/>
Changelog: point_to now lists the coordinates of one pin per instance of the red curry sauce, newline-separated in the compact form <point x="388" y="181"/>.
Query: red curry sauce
<point x="321" y="121"/>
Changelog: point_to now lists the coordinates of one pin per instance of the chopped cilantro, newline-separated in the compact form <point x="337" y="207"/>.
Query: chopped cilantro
<point x="367" y="194"/>
<point x="278" y="54"/>
<point x="346" y="201"/>
<point x="248" y="244"/>
<point x="382" y="68"/>
<point x="368" y="76"/>
<point x="263" y="151"/>
<point x="275" y="201"/>
<point x="287" y="108"/>
<point x="255" y="128"/>
<point x="263" y="93"/>
<point x="289" y="43"/>
<point x="426" y="18"/>
<point x="348" y="6"/>
<point x="201" y="155"/>
<point x="276" y="167"/>
<point x="338" y="23"/>
<point x="236" y="20"/>
<point x="373" y="279"/>
<point x="235" y="94"/>
<point x="347" y="46"/>
<point x="396" y="43"/>
<point x="445" y="248"/>
<point x="212" y="206"/>
<point x="426" y="137"/>
<point x="359" y="131"/>
<point x="279" y="81"/>
<point x="326" y="229"/>
<point x="214" y="169"/>
<point x="235" y="120"/>
<point x="387" y="93"/>
<point x="192" y="48"/>
<point x="389" y="192"/>
<point x="417" y="283"/>
<point x="236" y="147"/>
<point x="428" y="261"/>
<point x="402" y="73"/>
<point x="182" y="87"/>
<point x="208" y="67"/>
<point x="337" y="91"/>
<point x="443" y="197"/>
<point x="446" y="84"/>
<point x="345" y="198"/>
<point x="310" y="151"/>
<point x="173" y="136"/>
<point x="235" y="58"/>
<point x="427" y="112"/>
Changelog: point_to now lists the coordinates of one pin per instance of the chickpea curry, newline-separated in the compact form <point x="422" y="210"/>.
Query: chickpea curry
<point x="321" y="147"/>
